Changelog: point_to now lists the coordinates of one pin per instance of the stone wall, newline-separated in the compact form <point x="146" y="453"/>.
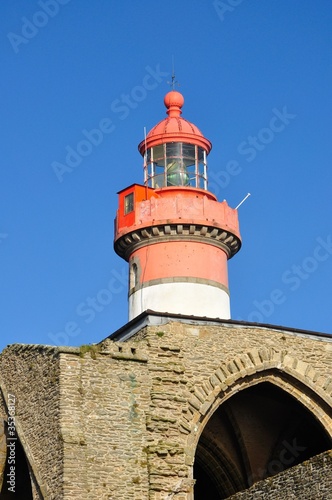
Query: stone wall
<point x="31" y="374"/>
<point x="105" y="395"/>
<point x="311" y="480"/>
<point x="121" y="420"/>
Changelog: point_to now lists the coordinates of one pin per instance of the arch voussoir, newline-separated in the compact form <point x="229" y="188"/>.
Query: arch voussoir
<point x="247" y="364"/>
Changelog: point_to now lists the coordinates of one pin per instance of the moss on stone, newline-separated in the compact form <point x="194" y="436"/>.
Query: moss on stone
<point x="93" y="349"/>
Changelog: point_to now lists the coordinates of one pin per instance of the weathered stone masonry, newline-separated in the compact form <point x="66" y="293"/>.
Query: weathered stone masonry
<point x="32" y="374"/>
<point x="311" y="479"/>
<point x="122" y="420"/>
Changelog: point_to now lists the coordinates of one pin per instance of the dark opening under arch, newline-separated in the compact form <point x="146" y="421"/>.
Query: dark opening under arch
<point x="257" y="433"/>
<point x="16" y="482"/>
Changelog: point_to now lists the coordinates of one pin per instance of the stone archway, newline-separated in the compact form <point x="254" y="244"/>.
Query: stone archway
<point x="3" y="450"/>
<point x="16" y="480"/>
<point x="255" y="434"/>
<point x="250" y="419"/>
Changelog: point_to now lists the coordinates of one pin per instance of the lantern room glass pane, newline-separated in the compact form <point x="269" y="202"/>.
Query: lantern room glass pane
<point x="176" y="164"/>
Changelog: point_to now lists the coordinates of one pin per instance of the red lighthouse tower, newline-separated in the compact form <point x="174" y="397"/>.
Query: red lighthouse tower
<point x="173" y="232"/>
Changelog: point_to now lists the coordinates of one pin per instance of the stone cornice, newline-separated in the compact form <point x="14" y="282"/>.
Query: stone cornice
<point x="222" y="238"/>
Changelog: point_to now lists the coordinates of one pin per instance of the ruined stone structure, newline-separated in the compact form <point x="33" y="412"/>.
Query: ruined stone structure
<point x="168" y="401"/>
<point x="173" y="406"/>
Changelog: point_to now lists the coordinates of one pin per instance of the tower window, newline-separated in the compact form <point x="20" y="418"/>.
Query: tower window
<point x="133" y="276"/>
<point x="129" y="203"/>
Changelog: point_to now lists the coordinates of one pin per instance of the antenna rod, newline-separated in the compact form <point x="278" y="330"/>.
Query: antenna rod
<point x="173" y="81"/>
<point x="244" y="199"/>
<point x="173" y="74"/>
<point x="145" y="163"/>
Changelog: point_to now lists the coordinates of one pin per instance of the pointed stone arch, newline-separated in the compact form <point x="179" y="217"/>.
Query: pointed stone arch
<point x="295" y="376"/>
<point x="3" y="450"/>
<point x="15" y="478"/>
<point x="26" y="462"/>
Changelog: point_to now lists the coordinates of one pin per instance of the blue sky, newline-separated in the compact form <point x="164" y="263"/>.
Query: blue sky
<point x="256" y="78"/>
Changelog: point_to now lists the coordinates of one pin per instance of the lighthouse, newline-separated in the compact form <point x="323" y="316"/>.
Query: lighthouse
<point x="174" y="233"/>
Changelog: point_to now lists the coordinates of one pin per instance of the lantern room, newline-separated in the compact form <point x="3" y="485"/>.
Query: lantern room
<point x="175" y="150"/>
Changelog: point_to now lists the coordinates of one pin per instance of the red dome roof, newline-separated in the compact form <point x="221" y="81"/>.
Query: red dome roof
<point x="174" y="128"/>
